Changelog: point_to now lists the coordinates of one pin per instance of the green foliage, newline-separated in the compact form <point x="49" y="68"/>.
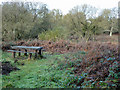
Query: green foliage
<point x="56" y="71"/>
<point x="40" y="73"/>
<point x="53" y="35"/>
<point x="24" y="21"/>
<point x="36" y="74"/>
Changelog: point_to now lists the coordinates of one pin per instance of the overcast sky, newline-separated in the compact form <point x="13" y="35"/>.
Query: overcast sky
<point x="66" y="5"/>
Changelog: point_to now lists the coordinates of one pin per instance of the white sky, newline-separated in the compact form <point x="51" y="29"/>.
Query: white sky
<point x="66" y="5"/>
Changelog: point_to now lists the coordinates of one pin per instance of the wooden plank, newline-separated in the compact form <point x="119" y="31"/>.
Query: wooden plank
<point x="10" y="50"/>
<point x="26" y="47"/>
<point x="14" y="51"/>
<point x="19" y="51"/>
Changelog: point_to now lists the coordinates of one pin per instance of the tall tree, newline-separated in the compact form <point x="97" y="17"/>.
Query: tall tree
<point x="108" y="20"/>
<point x="78" y="19"/>
<point x="55" y="18"/>
<point x="23" y="20"/>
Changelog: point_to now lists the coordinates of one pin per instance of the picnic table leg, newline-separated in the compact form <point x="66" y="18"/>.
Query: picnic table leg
<point x="14" y="54"/>
<point x="19" y="52"/>
<point x="30" y="55"/>
<point x="40" y="52"/>
<point x="25" y="52"/>
<point x="35" y="53"/>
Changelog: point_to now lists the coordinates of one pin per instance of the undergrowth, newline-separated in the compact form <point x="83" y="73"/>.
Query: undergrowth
<point x="53" y="35"/>
<point x="61" y="71"/>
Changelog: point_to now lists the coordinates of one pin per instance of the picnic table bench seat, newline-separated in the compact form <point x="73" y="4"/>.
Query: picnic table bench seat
<point x="19" y="51"/>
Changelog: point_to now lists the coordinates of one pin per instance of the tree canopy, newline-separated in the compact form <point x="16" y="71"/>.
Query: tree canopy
<point x="27" y="20"/>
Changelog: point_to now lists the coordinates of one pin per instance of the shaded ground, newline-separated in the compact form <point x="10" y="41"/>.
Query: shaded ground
<point x="7" y="68"/>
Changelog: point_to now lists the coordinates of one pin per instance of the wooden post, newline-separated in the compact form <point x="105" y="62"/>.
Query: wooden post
<point x="35" y="53"/>
<point x="14" y="54"/>
<point x="19" y="52"/>
<point x="40" y="53"/>
<point x="25" y="52"/>
<point x="30" y="55"/>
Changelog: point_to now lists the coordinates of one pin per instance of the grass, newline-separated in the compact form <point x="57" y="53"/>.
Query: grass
<point x="54" y="71"/>
<point x="38" y="73"/>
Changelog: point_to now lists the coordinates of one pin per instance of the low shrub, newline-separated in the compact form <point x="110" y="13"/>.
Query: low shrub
<point x="54" y="35"/>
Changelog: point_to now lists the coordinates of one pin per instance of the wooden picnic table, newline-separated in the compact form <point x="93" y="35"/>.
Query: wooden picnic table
<point x="37" y="50"/>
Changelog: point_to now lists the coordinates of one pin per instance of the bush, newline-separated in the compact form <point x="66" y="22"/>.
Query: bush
<point x="54" y="35"/>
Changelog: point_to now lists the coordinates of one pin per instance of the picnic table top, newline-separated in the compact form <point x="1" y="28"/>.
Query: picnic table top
<point x="26" y="47"/>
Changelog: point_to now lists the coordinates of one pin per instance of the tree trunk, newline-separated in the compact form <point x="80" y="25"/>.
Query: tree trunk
<point x="111" y="31"/>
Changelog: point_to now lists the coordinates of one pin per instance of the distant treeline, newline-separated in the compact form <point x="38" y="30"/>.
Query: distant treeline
<point x="35" y="20"/>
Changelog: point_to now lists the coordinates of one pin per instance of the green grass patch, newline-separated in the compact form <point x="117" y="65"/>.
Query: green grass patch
<point x="38" y="73"/>
<point x="54" y="71"/>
